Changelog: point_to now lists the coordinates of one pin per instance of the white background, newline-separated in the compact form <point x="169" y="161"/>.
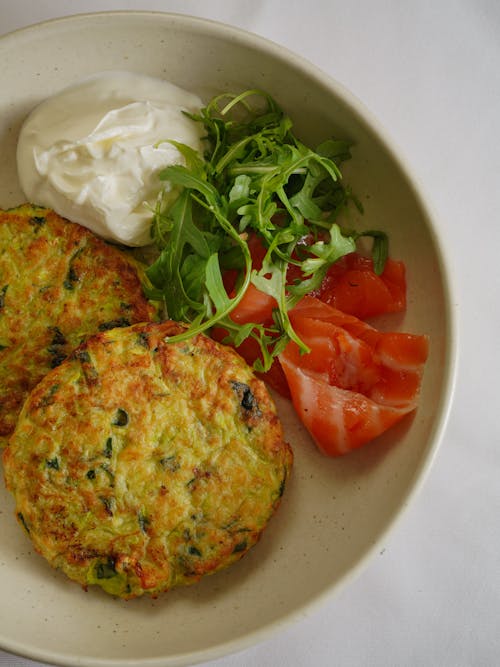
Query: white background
<point x="430" y="72"/>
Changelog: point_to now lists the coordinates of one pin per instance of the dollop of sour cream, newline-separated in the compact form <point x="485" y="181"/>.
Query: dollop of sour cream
<point x="93" y="151"/>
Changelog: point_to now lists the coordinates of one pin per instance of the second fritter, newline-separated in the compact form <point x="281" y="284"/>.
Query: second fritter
<point x="58" y="284"/>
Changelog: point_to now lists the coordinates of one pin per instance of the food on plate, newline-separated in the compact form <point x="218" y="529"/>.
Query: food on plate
<point x="257" y="186"/>
<point x="58" y="284"/>
<point x="92" y="152"/>
<point x="255" y="240"/>
<point x="139" y="464"/>
<point x="353" y="286"/>
<point x="356" y="382"/>
<point x="248" y="224"/>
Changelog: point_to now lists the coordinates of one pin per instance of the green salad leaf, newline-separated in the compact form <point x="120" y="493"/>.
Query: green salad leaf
<point x="256" y="179"/>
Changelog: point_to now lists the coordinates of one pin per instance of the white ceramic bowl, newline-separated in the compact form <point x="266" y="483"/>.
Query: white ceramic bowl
<point x="335" y="512"/>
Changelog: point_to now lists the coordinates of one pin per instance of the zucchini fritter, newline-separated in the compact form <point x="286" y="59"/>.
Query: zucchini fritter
<point x="58" y="284"/>
<point x="140" y="464"/>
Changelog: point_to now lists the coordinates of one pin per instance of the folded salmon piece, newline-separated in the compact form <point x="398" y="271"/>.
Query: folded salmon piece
<point x="356" y="381"/>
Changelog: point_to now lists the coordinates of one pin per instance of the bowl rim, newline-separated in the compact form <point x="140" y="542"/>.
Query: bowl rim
<point x="363" y="115"/>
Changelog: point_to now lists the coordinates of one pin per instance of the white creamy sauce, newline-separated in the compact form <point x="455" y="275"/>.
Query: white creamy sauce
<point x="93" y="151"/>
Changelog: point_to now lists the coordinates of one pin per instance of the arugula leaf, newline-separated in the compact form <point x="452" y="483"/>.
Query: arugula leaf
<point x="255" y="179"/>
<point x="166" y="270"/>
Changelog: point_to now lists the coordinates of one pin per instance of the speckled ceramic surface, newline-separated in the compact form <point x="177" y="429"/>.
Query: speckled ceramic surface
<point x="335" y="512"/>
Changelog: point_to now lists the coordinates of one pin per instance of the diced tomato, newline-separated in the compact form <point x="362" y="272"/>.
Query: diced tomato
<point x="250" y="351"/>
<point x="356" y="382"/>
<point x="255" y="306"/>
<point x="257" y="250"/>
<point x="352" y="286"/>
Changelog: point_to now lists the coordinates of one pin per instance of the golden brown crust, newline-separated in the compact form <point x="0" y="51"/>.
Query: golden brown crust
<point x="140" y="464"/>
<point x="58" y="284"/>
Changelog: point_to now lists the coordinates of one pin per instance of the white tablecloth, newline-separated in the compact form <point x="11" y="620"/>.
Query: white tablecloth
<point x="430" y="72"/>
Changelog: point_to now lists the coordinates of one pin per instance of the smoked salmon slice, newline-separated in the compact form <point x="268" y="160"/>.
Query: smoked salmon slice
<point x="356" y="382"/>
